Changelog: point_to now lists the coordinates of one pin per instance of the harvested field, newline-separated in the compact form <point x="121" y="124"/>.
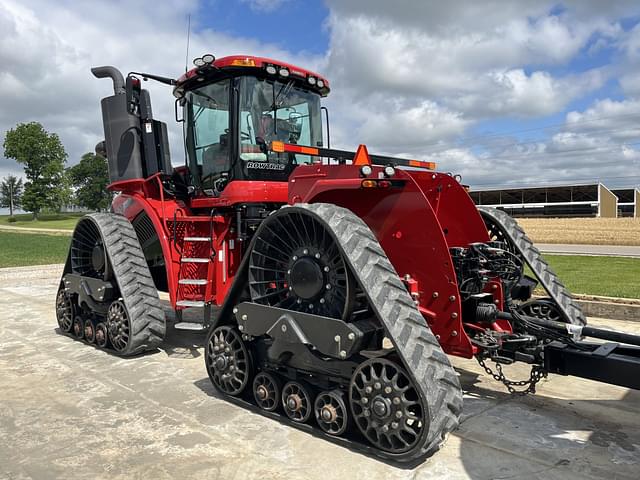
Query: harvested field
<point x="583" y="231"/>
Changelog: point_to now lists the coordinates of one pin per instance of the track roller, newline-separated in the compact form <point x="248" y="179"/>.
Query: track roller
<point x="543" y="308"/>
<point x="297" y="401"/>
<point x="266" y="391"/>
<point x="331" y="412"/>
<point x="102" y="335"/>
<point x="228" y="362"/>
<point x="386" y="406"/>
<point x="118" y="326"/>
<point x="78" y="327"/>
<point x="64" y="311"/>
<point x="89" y="331"/>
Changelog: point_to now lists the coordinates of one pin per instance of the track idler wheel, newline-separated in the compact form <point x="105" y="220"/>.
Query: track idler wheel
<point x="64" y="311"/>
<point x="89" y="331"/>
<point x="228" y="361"/>
<point x="386" y="406"/>
<point x="266" y="391"/>
<point x="78" y="327"/>
<point x="297" y="402"/>
<point x="331" y="412"/>
<point x="101" y="335"/>
<point x="119" y="326"/>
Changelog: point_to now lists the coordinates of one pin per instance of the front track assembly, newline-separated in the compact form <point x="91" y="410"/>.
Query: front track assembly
<point x="106" y="295"/>
<point x="321" y="366"/>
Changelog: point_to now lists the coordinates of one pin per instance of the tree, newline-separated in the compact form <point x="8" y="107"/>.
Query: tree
<point x="11" y="193"/>
<point x="90" y="178"/>
<point x="43" y="157"/>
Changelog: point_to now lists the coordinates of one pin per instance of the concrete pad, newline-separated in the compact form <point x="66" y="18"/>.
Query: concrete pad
<point x="68" y="410"/>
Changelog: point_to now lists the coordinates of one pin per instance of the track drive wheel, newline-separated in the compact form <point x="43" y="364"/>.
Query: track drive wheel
<point x="543" y="308"/>
<point x="102" y="335"/>
<point x="266" y="391"/>
<point x="119" y="327"/>
<point x="331" y="412"/>
<point x="78" y="327"/>
<point x="228" y="361"/>
<point x="386" y="406"/>
<point x="64" y="311"/>
<point x="89" y="331"/>
<point x="297" y="401"/>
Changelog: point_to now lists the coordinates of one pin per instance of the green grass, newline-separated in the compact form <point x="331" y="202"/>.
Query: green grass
<point x="63" y="221"/>
<point x="21" y="249"/>
<point x="606" y="276"/>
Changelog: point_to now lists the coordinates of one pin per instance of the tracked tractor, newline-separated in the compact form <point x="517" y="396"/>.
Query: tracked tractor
<point x="331" y="284"/>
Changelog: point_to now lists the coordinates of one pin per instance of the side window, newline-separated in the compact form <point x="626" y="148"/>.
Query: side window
<point x="209" y="110"/>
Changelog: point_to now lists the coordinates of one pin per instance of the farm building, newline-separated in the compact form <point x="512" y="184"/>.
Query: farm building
<point x="588" y="200"/>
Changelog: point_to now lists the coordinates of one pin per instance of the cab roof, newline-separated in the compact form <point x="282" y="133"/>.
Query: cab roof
<point x="240" y="64"/>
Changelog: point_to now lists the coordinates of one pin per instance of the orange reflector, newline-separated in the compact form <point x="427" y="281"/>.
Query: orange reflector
<point x="421" y="164"/>
<point x="277" y="146"/>
<point x="369" y="184"/>
<point x="243" y="62"/>
<point x="362" y="156"/>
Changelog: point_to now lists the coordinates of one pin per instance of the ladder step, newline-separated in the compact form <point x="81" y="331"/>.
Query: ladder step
<point x="193" y="281"/>
<point x="195" y="327"/>
<point x="190" y="303"/>
<point x="197" y="239"/>
<point x="195" y="260"/>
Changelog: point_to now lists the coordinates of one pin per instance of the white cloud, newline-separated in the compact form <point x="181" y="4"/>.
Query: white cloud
<point x="265" y="5"/>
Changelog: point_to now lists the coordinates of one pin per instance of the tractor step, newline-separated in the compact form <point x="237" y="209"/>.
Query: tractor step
<point x="191" y="326"/>
<point x="193" y="281"/>
<point x="190" y="303"/>
<point x="197" y="239"/>
<point x="195" y="260"/>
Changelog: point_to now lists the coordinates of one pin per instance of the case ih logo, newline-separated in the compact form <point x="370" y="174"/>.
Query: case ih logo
<point x="265" y="166"/>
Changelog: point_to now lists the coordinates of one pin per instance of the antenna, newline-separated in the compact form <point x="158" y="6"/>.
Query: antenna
<point x="186" y="59"/>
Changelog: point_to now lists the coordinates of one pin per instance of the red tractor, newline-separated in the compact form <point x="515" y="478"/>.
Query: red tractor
<point x="332" y="284"/>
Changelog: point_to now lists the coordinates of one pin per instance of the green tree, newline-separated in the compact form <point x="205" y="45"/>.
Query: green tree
<point x="11" y="193"/>
<point x="90" y="178"/>
<point x="43" y="157"/>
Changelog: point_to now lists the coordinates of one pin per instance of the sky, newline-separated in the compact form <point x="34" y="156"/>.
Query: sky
<point x="503" y="93"/>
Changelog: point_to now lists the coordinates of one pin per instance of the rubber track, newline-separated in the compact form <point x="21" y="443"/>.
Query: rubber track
<point x="416" y="346"/>
<point x="543" y="272"/>
<point x="131" y="272"/>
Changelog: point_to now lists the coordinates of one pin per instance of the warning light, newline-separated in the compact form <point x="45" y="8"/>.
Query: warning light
<point x="369" y="184"/>
<point x="277" y="147"/>
<point x="243" y="62"/>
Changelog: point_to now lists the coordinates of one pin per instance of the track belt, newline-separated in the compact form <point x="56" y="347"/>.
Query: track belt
<point x="517" y="238"/>
<point x="421" y="355"/>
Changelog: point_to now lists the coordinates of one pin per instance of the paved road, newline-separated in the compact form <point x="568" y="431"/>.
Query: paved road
<point x="68" y="410"/>
<point x="616" y="250"/>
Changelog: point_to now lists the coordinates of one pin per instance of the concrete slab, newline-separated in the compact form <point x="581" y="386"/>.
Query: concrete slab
<point x="71" y="411"/>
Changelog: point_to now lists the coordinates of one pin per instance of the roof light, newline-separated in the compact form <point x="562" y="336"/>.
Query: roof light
<point x="284" y="72"/>
<point x="320" y="83"/>
<point x="243" y="62"/>
<point x="208" y="58"/>
<point x="311" y="80"/>
<point x="271" y="70"/>
<point x="277" y="146"/>
<point x="198" y="62"/>
<point x="366" y="170"/>
<point x="389" y="171"/>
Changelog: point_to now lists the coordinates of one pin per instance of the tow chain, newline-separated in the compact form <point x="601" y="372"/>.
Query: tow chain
<point x="537" y="374"/>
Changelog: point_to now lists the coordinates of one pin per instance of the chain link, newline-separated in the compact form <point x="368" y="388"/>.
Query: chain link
<point x="537" y="374"/>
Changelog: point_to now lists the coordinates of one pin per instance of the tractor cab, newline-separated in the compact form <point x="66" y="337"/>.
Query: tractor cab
<point x="235" y="107"/>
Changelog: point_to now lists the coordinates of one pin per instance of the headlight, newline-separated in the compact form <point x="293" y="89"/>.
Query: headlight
<point x="366" y="170"/>
<point x="389" y="171"/>
<point x="271" y="70"/>
<point x="311" y="80"/>
<point x="198" y="62"/>
<point x="208" y="58"/>
<point x="320" y="83"/>
<point x="284" y="72"/>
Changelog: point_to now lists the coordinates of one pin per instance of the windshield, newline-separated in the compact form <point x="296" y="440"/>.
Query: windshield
<point x="276" y="110"/>
<point x="207" y="136"/>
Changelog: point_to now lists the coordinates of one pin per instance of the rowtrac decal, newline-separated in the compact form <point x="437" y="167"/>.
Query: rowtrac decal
<point x="266" y="166"/>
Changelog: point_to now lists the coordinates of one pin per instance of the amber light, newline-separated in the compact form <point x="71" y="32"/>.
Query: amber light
<point x="369" y="184"/>
<point x="277" y="147"/>
<point x="243" y="62"/>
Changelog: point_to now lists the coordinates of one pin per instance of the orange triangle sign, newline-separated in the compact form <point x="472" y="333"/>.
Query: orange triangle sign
<point x="362" y="156"/>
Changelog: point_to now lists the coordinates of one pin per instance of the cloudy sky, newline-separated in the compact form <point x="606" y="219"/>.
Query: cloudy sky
<point x="502" y="92"/>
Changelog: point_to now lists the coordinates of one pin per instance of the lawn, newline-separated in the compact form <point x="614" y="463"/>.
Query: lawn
<point x="607" y="276"/>
<point x="64" y="221"/>
<point x="20" y="249"/>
